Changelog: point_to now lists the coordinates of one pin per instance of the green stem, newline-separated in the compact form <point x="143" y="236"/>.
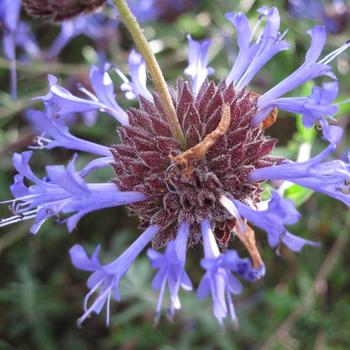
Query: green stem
<point x="153" y="68"/>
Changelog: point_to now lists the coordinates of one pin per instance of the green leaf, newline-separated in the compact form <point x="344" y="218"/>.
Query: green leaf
<point x="298" y="194"/>
<point x="266" y="194"/>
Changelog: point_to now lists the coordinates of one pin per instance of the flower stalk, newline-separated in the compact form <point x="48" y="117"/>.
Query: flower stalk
<point x="143" y="46"/>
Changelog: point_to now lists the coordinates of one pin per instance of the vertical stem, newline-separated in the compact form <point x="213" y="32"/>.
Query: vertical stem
<point x="153" y="67"/>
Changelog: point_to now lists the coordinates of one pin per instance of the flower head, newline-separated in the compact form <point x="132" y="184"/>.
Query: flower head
<point x="201" y="195"/>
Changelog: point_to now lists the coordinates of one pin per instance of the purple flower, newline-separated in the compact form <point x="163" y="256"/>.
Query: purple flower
<point x="55" y="133"/>
<point x="205" y="194"/>
<point x="27" y="41"/>
<point x="218" y="279"/>
<point x="62" y="191"/>
<point x="310" y="69"/>
<point x="314" y="107"/>
<point x="167" y="10"/>
<point x="18" y="34"/>
<point x="242" y="266"/>
<point x="137" y="86"/>
<point x="333" y="16"/>
<point x="97" y="27"/>
<point x="105" y="278"/>
<point x="252" y="57"/>
<point x="61" y="102"/>
<point x="9" y="17"/>
<point x="328" y="177"/>
<point x="171" y="267"/>
<point x="280" y="212"/>
<point x="198" y="68"/>
<point x="144" y="10"/>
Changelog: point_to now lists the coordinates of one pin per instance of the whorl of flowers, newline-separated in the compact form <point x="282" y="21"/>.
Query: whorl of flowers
<point x="198" y="196"/>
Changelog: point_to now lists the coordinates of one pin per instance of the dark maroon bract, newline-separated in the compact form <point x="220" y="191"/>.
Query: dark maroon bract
<point x="142" y="161"/>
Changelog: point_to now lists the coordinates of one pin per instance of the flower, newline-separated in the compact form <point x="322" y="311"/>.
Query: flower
<point x="204" y="194"/>
<point x="98" y="27"/>
<point x="9" y="15"/>
<point x="280" y="212"/>
<point x="198" y="61"/>
<point x="313" y="108"/>
<point x="105" y="278"/>
<point x="61" y="102"/>
<point x="310" y="69"/>
<point x="18" y="34"/>
<point x="218" y="279"/>
<point x="61" y="191"/>
<point x="331" y="177"/>
<point x="137" y="85"/>
<point x="55" y="133"/>
<point x="334" y="16"/>
<point x="171" y="267"/>
<point x="165" y="10"/>
<point x="75" y="19"/>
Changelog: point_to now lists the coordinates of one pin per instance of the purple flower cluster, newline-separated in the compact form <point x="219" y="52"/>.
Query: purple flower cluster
<point x="64" y="193"/>
<point x="99" y="27"/>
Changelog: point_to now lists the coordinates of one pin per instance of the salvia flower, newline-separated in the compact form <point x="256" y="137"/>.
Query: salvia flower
<point x="219" y="280"/>
<point x="55" y="133"/>
<point x="165" y="10"/>
<point x="9" y="17"/>
<point x="136" y="86"/>
<point x="62" y="191"/>
<point x="313" y="108"/>
<point x="105" y="278"/>
<point x="198" y="61"/>
<point x="61" y="102"/>
<point x="328" y="177"/>
<point x="200" y="195"/>
<point x="171" y="267"/>
<point x="280" y="212"/>
<point x="17" y="33"/>
<point x="98" y="27"/>
<point x="334" y="14"/>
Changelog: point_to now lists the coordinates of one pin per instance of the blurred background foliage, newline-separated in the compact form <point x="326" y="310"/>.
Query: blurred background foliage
<point x="302" y="303"/>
